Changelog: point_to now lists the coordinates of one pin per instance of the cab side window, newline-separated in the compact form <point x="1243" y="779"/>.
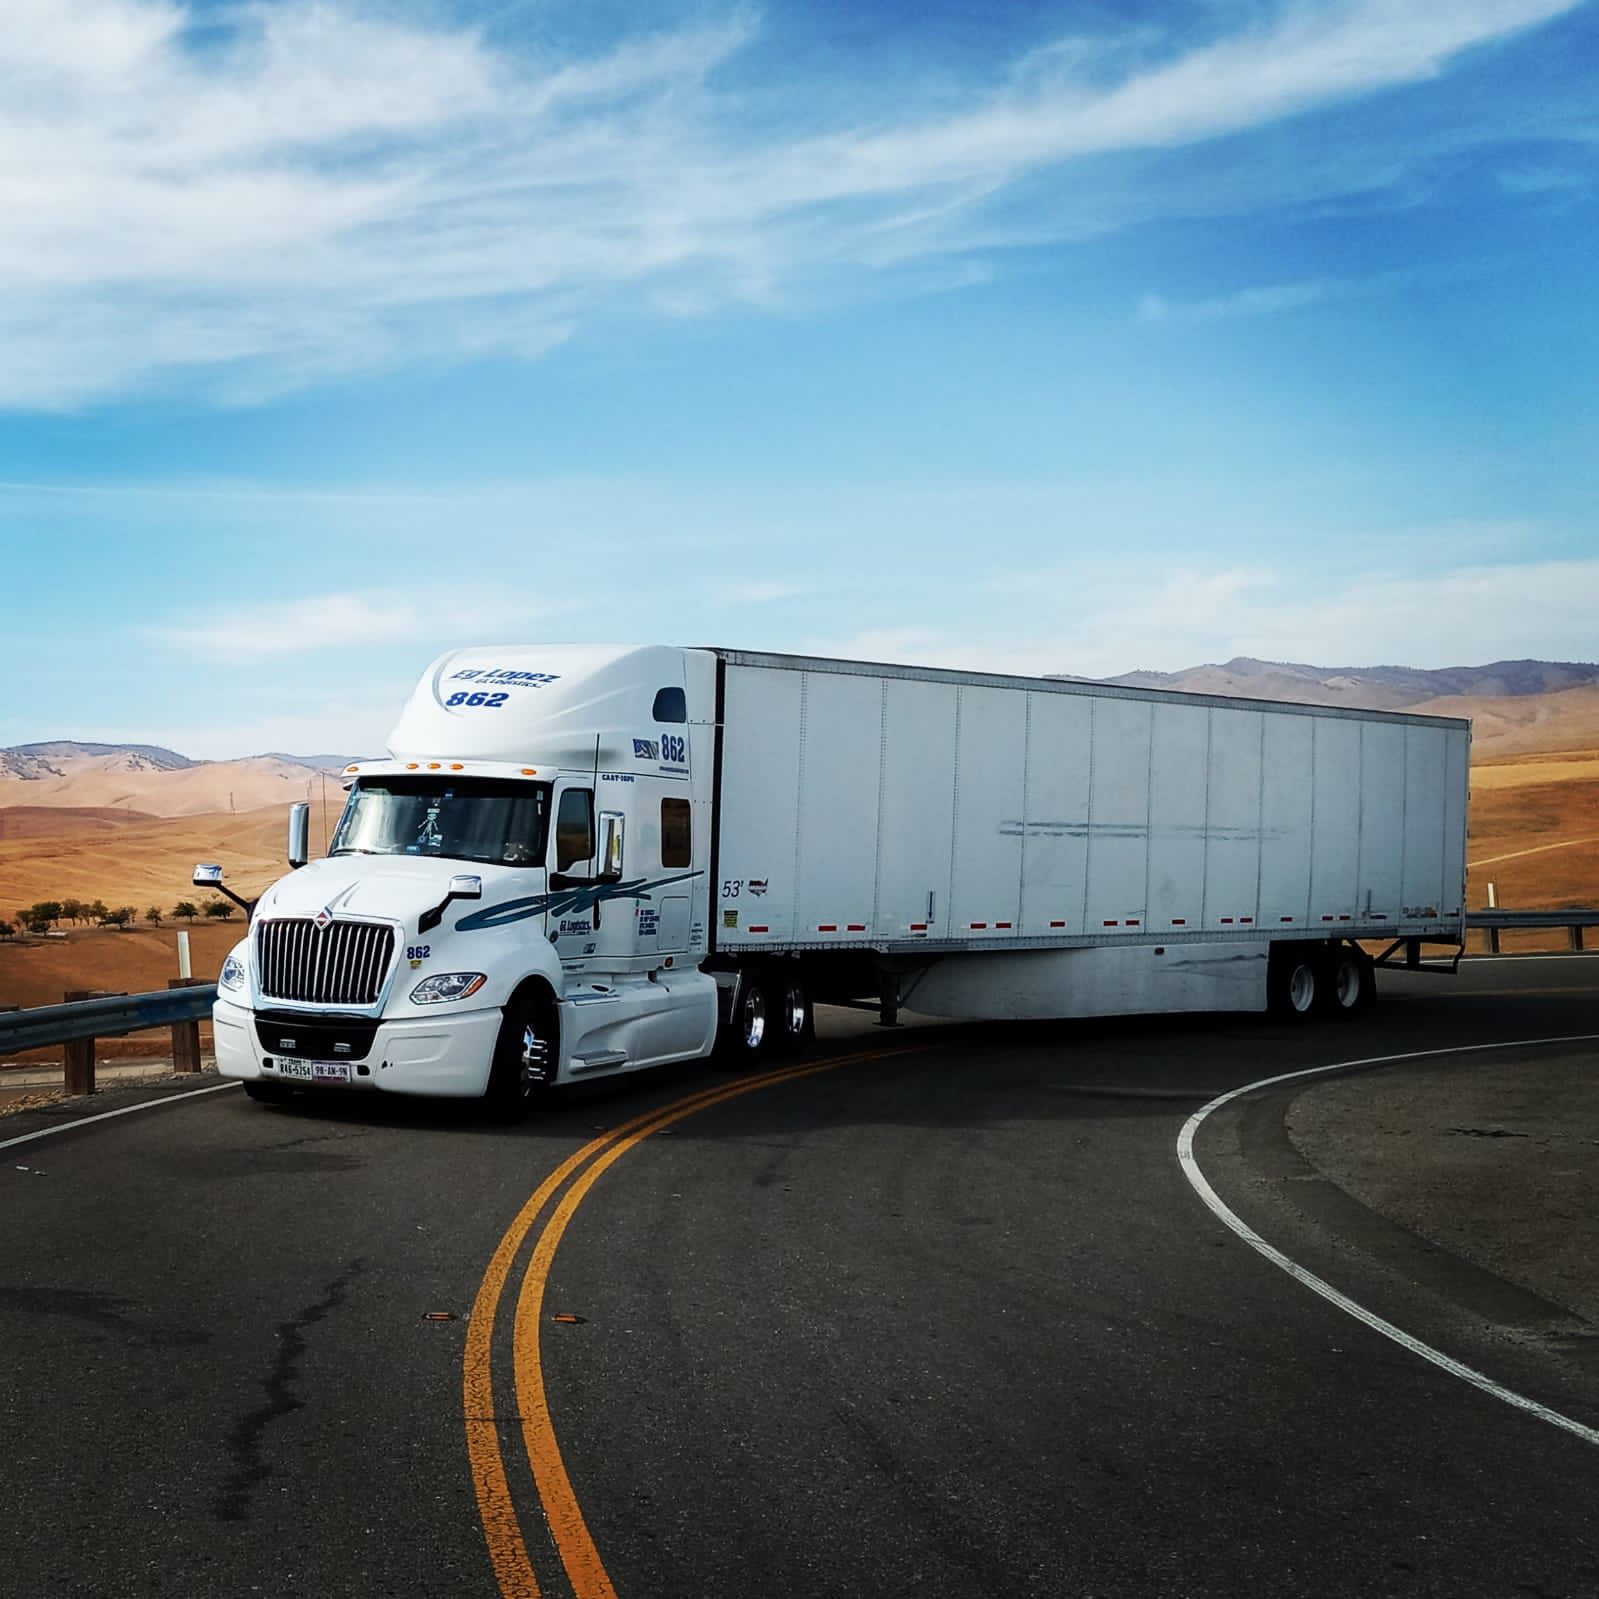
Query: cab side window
<point x="671" y="705"/>
<point x="677" y="833"/>
<point x="574" y="828"/>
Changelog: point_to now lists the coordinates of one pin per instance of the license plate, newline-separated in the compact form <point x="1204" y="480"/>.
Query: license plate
<point x="315" y="1071"/>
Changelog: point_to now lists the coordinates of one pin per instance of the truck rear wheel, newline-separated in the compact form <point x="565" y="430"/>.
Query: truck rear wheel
<point x="1350" y="983"/>
<point x="793" y="1020"/>
<point x="748" y="1033"/>
<point x="1295" y="982"/>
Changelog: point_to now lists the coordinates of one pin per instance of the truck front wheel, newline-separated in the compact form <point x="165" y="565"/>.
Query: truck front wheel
<point x="525" y="1056"/>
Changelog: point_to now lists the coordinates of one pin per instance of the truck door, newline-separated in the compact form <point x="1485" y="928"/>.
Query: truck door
<point x="591" y="927"/>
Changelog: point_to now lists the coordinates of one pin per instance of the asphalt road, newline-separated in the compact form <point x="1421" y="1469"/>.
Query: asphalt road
<point x="947" y="1320"/>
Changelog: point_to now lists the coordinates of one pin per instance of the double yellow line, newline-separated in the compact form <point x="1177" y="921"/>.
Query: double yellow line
<point x="503" y="1530"/>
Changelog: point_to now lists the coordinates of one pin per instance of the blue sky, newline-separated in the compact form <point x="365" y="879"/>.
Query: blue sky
<point x="1040" y="337"/>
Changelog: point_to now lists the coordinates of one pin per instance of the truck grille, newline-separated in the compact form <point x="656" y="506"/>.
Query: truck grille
<point x="343" y="963"/>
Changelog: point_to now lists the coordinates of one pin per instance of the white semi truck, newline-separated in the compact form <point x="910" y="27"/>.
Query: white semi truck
<point x="577" y="861"/>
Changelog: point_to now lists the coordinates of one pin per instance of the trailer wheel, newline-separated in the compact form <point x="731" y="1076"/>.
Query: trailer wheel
<point x="525" y="1057"/>
<point x="269" y="1093"/>
<point x="747" y="1038"/>
<point x="1351" y="983"/>
<point x="794" y="1023"/>
<point x="1296" y="981"/>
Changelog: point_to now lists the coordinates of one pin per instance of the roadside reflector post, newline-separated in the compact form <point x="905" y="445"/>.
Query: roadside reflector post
<point x="77" y="1054"/>
<point x="185" y="1035"/>
<point x="185" y="965"/>
<point x="1493" y="932"/>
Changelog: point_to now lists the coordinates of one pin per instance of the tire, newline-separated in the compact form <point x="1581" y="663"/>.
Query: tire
<point x="747" y="1037"/>
<point x="269" y="1093"/>
<point x="1350" y="984"/>
<point x="526" y="1056"/>
<point x="1296" y="982"/>
<point x="792" y="1020"/>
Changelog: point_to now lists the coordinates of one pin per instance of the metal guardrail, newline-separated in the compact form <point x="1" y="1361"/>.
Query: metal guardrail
<point x="109" y="1017"/>
<point x="1495" y="922"/>
<point x="82" y="1020"/>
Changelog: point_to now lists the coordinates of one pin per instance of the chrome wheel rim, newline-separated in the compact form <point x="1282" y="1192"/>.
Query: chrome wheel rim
<point x="1302" y="988"/>
<point x="754" y="1012"/>
<point x="533" y="1060"/>
<point x="794" y="1010"/>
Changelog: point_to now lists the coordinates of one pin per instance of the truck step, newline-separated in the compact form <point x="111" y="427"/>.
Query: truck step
<point x="594" y="1063"/>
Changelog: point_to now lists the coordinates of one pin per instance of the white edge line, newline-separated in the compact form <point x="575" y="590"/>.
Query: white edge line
<point x="106" y="1115"/>
<point x="1185" y="1154"/>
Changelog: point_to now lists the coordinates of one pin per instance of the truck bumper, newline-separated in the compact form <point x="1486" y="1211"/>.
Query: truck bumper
<point x="440" y="1056"/>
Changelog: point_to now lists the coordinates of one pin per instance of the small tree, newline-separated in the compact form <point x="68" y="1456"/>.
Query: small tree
<point x="185" y="910"/>
<point x="220" y="909"/>
<point x="99" y="912"/>
<point x="7" y="930"/>
<point x="120" y="917"/>
<point x="48" y="910"/>
<point x="154" y="915"/>
<point x="74" y="910"/>
<point x="37" y="924"/>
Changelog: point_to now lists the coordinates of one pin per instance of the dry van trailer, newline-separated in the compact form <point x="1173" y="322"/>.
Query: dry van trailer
<point x="977" y="845"/>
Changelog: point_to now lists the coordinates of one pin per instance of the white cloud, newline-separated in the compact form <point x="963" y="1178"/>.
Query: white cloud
<point x="272" y="194"/>
<point x="315" y="622"/>
<point x="1100" y="622"/>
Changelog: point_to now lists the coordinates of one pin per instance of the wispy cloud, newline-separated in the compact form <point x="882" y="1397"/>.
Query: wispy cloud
<point x="1102" y="622"/>
<point x="273" y="194"/>
<point x="317" y="622"/>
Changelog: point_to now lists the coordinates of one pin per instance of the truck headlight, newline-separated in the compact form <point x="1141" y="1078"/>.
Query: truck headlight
<point x="232" y="973"/>
<point x="446" y="985"/>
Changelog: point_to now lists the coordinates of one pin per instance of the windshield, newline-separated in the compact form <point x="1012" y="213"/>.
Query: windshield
<point x="461" y="818"/>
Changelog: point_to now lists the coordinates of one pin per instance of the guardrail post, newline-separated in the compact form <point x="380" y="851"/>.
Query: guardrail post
<point x="185" y="1035"/>
<point x="1575" y="930"/>
<point x="1493" y="940"/>
<point x="78" y="1054"/>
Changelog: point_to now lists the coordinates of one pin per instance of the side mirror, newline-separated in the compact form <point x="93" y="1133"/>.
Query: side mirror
<point x="299" y="834"/>
<point x="208" y="877"/>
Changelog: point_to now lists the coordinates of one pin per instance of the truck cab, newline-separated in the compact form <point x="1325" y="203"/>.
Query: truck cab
<point x="517" y="894"/>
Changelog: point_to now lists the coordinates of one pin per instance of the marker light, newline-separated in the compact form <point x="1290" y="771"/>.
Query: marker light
<point x="446" y="985"/>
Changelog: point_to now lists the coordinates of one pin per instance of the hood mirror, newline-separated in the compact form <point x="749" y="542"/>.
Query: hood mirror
<point x="299" y="834"/>
<point x="465" y="885"/>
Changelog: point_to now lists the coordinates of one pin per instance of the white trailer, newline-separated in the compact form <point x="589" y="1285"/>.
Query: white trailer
<point x="577" y="861"/>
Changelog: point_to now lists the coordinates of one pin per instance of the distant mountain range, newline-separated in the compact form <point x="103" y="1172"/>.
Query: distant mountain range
<point x="1376" y="688"/>
<point x="145" y="779"/>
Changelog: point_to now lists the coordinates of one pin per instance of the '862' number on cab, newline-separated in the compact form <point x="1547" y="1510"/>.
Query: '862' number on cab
<point x="490" y="702"/>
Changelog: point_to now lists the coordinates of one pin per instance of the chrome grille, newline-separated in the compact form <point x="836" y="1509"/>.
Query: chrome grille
<point x="343" y="963"/>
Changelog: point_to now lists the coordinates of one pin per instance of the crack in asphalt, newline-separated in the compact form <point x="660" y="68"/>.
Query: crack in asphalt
<point x="245" y="1437"/>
